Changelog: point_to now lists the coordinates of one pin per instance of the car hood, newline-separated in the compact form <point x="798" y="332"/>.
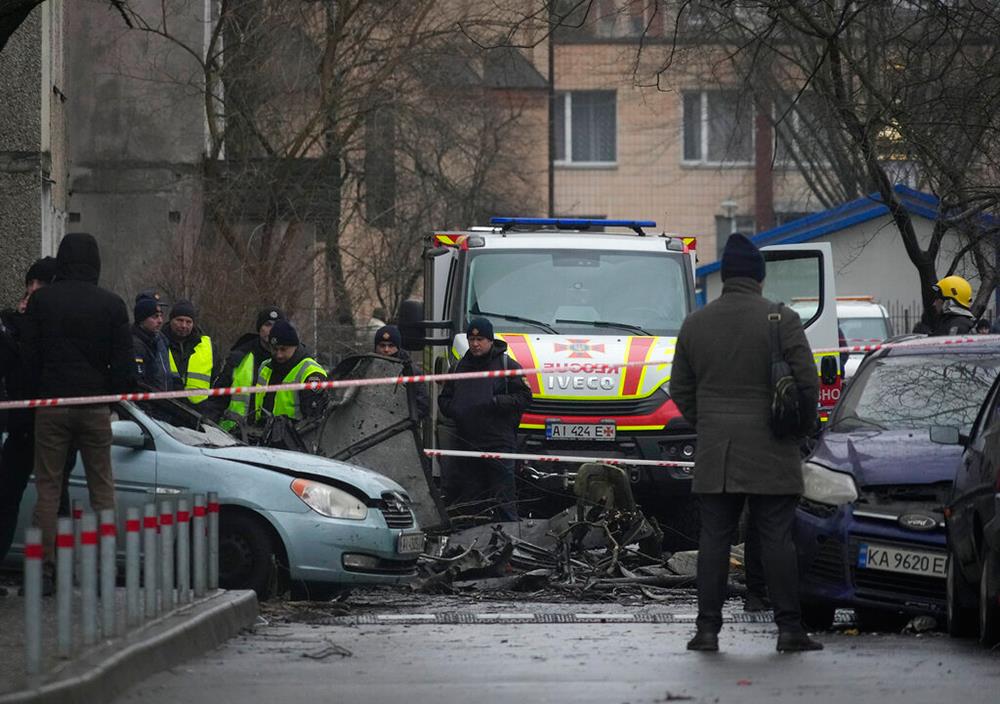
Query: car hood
<point x="876" y="457"/>
<point x="291" y="463"/>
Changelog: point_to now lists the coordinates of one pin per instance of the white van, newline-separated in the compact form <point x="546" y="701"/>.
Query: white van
<point x="862" y="321"/>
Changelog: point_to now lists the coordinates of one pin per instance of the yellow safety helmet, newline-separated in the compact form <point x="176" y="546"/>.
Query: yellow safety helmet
<point x="955" y="288"/>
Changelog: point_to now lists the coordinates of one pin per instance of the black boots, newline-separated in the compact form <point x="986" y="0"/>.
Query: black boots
<point x="704" y="641"/>
<point x="796" y="642"/>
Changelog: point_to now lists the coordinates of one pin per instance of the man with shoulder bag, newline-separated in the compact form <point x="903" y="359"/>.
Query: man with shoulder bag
<point x="744" y="376"/>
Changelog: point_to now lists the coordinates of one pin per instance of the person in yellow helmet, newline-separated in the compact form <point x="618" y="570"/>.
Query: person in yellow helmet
<point x="952" y="304"/>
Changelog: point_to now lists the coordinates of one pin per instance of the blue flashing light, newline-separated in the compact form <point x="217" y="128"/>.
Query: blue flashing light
<point x="573" y="223"/>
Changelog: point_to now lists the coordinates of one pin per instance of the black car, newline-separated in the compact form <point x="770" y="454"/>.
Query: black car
<point x="973" y="524"/>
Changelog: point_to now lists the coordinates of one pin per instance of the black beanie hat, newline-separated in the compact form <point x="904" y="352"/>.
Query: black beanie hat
<point x="184" y="307"/>
<point x="43" y="270"/>
<point x="145" y="307"/>
<point x="283" y="333"/>
<point x="481" y="327"/>
<point x="741" y="258"/>
<point x="388" y="333"/>
<point x="271" y="314"/>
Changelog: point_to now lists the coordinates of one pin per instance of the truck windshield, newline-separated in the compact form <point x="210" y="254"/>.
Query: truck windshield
<point x="578" y="291"/>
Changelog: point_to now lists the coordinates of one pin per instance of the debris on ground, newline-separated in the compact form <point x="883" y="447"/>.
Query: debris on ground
<point x="327" y="650"/>
<point x="602" y="547"/>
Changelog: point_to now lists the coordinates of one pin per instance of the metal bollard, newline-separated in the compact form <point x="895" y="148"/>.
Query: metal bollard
<point x="183" y="552"/>
<point x="213" y="540"/>
<point x="198" y="528"/>
<point x="64" y="587"/>
<point x="33" y="600"/>
<point x="167" y="555"/>
<point x="150" y="584"/>
<point x="88" y="580"/>
<point x="109" y="539"/>
<point x="77" y="553"/>
<point x="133" y="612"/>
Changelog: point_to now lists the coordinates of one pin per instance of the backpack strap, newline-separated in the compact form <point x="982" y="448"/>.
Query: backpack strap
<point x="773" y="324"/>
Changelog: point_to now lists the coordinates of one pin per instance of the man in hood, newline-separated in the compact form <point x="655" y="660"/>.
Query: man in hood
<point x="75" y="342"/>
<point x="486" y="413"/>
<point x="243" y="363"/>
<point x="152" y="360"/>
<point x="191" y="358"/>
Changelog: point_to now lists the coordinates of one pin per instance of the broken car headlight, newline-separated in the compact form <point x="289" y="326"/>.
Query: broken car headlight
<point x="825" y="486"/>
<point x="328" y="500"/>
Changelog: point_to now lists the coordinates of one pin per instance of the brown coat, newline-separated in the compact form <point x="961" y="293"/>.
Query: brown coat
<point x="721" y="383"/>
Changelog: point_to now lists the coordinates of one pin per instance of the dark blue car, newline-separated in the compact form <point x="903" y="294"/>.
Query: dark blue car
<point x="870" y="527"/>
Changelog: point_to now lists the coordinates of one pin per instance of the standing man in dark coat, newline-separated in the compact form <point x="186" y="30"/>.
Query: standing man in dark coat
<point x="721" y="382"/>
<point x="388" y="343"/>
<point x="149" y="346"/>
<point x="486" y="413"/>
<point x="76" y="341"/>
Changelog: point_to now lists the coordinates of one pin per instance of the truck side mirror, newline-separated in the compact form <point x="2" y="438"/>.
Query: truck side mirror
<point x="828" y="369"/>
<point x="411" y="313"/>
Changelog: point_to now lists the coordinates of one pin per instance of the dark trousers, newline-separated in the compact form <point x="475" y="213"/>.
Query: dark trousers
<point x="753" y="565"/>
<point x="475" y="486"/>
<point x="773" y="518"/>
<point x="16" y="467"/>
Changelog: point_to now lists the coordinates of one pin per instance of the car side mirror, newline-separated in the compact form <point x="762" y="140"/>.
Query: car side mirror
<point x="828" y="369"/>
<point x="947" y="435"/>
<point x="128" y="433"/>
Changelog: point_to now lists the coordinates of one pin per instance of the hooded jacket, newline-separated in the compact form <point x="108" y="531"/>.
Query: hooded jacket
<point x="486" y="412"/>
<point x="76" y="339"/>
<point x="954" y="320"/>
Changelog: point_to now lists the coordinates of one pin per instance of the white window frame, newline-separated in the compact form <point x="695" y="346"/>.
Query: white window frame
<point x="567" y="97"/>
<point x="703" y="147"/>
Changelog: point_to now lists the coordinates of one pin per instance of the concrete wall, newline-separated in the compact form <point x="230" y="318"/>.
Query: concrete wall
<point x="33" y="183"/>
<point x="137" y="137"/>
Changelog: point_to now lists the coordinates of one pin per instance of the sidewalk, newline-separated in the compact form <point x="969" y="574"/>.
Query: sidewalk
<point x="112" y="665"/>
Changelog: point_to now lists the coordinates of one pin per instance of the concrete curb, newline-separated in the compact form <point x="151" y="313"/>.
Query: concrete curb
<point x="104" y="674"/>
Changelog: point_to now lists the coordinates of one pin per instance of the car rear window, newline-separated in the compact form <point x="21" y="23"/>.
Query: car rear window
<point x="864" y="329"/>
<point x="914" y="392"/>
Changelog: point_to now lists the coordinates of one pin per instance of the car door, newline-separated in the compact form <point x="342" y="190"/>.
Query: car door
<point x="801" y="276"/>
<point x="972" y="501"/>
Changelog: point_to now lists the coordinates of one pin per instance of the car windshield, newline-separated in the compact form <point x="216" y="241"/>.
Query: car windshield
<point x="864" y="329"/>
<point x="187" y="425"/>
<point x="578" y="291"/>
<point x="914" y="392"/>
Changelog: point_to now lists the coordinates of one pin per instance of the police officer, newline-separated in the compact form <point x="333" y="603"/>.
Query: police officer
<point x="952" y="303"/>
<point x="149" y="345"/>
<point x="388" y="343"/>
<point x="191" y="359"/>
<point x="486" y="413"/>
<point x="243" y="364"/>
<point x="289" y="364"/>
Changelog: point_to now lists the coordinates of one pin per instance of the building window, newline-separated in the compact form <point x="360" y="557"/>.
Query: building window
<point x="718" y="128"/>
<point x="586" y="123"/>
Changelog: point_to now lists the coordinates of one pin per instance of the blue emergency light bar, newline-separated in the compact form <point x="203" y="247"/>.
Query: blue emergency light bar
<point x="573" y="223"/>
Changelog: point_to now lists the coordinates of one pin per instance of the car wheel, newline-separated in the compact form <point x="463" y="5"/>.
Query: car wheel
<point x="989" y="609"/>
<point x="868" y="619"/>
<point x="817" y="617"/>
<point x="960" y="596"/>
<point x="248" y="557"/>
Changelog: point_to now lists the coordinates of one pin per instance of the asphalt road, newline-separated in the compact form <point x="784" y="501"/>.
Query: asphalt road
<point x="448" y="650"/>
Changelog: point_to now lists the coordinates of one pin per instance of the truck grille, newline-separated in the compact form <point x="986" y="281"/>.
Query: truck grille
<point x="613" y="407"/>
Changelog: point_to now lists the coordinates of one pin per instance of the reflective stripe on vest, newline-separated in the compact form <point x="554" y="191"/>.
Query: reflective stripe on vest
<point x="199" y="371"/>
<point x="286" y="403"/>
<point x="239" y="404"/>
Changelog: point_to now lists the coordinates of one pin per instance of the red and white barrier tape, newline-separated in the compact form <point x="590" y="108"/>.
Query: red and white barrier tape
<point x="415" y="379"/>
<point x="310" y="385"/>
<point x="553" y="458"/>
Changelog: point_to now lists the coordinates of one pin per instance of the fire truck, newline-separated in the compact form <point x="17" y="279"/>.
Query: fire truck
<point x="574" y="298"/>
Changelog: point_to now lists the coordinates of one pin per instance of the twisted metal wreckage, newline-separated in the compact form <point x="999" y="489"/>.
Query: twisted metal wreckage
<point x="602" y="547"/>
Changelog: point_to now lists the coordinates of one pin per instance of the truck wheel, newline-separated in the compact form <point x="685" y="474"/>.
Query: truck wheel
<point x="248" y="557"/>
<point x="960" y="597"/>
<point x="989" y="607"/>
